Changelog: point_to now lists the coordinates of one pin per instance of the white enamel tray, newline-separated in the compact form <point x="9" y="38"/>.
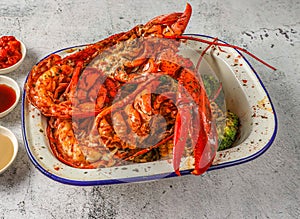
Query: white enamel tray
<point x="245" y="95"/>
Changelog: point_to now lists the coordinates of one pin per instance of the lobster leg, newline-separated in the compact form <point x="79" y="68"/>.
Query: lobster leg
<point x="75" y="78"/>
<point x="144" y="80"/>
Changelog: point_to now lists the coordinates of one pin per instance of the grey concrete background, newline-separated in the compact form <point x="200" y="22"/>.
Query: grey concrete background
<point x="267" y="187"/>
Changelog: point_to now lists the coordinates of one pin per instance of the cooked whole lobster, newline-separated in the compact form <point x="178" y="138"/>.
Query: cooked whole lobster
<point x="125" y="97"/>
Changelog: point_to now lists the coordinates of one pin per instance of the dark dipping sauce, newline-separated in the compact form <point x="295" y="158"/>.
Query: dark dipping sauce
<point x="7" y="97"/>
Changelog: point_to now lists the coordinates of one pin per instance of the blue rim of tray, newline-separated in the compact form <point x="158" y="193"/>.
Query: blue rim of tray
<point x="151" y="177"/>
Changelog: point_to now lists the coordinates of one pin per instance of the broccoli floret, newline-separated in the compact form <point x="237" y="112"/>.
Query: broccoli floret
<point x="227" y="138"/>
<point x="212" y="85"/>
<point x="228" y="135"/>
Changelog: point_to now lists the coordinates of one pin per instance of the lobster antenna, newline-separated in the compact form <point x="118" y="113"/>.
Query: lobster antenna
<point x="224" y="45"/>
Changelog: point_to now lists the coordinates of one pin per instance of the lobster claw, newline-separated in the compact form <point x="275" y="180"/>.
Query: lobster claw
<point x="204" y="156"/>
<point x="194" y="121"/>
<point x="187" y="120"/>
<point x="170" y="24"/>
<point x="181" y="133"/>
<point x="207" y="144"/>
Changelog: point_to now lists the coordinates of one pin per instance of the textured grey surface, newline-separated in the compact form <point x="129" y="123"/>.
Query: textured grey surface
<point x="267" y="187"/>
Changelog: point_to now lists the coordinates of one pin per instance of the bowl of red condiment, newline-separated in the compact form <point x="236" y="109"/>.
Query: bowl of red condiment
<point x="12" y="54"/>
<point x="9" y="95"/>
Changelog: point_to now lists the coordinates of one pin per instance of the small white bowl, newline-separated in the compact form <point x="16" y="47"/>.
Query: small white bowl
<point x="13" y="84"/>
<point x="17" y="65"/>
<point x="6" y="132"/>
